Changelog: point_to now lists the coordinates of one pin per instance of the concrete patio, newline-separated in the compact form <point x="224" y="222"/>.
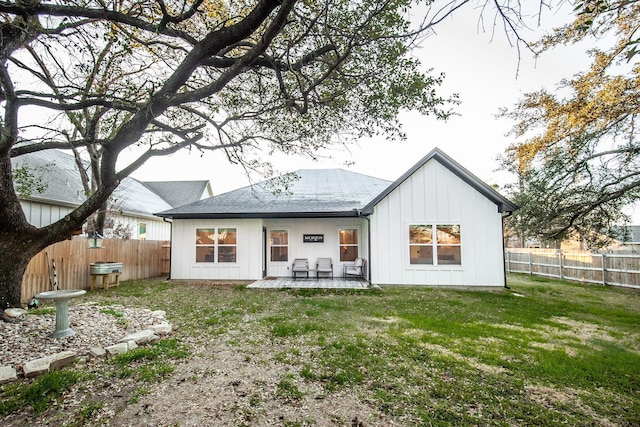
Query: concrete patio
<point x="309" y="283"/>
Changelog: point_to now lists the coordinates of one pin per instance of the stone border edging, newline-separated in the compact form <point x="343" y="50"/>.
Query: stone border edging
<point x="40" y="366"/>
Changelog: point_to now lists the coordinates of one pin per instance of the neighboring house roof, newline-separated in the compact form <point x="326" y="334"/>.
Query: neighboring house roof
<point x="59" y="172"/>
<point x="321" y="193"/>
<point x="133" y="196"/>
<point x="180" y="193"/>
<point x="504" y="205"/>
<point x="311" y="193"/>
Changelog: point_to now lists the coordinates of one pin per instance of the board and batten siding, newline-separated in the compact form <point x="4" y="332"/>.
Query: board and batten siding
<point x="250" y="247"/>
<point x="248" y="265"/>
<point x="329" y="228"/>
<point x="156" y="228"/>
<point x="43" y="214"/>
<point x="435" y="195"/>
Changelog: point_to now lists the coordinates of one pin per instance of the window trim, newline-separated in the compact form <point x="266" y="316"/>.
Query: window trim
<point x="142" y="231"/>
<point x="356" y="245"/>
<point x="434" y="245"/>
<point x="216" y="245"/>
<point x="285" y="229"/>
<point x="226" y="245"/>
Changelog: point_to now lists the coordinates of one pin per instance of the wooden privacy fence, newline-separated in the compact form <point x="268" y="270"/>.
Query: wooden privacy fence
<point x="140" y="258"/>
<point x="604" y="269"/>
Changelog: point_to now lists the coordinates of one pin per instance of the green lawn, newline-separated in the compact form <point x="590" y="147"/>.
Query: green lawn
<point x="540" y="353"/>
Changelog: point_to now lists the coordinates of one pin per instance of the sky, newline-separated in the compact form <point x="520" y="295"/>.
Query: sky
<point x="483" y="68"/>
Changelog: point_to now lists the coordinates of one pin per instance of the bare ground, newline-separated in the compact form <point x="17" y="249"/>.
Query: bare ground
<point x="217" y="385"/>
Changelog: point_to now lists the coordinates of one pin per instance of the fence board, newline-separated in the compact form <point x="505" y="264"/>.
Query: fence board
<point x="605" y="269"/>
<point x="140" y="258"/>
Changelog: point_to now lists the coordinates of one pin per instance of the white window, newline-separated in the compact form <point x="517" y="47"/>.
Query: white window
<point x="211" y="242"/>
<point x="435" y="244"/>
<point x="205" y="244"/>
<point x="227" y="244"/>
<point x="348" y="244"/>
<point x="279" y="243"/>
<point x="142" y="231"/>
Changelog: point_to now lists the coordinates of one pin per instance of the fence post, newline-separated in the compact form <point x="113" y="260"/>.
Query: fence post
<point x="530" y="263"/>
<point x="604" y="273"/>
<point x="561" y="256"/>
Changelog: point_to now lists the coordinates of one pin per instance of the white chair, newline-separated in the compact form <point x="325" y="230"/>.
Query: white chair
<point x="324" y="265"/>
<point x="355" y="270"/>
<point x="300" y="265"/>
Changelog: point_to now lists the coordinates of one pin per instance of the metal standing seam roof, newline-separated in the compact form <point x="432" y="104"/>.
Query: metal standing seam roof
<point x="312" y="193"/>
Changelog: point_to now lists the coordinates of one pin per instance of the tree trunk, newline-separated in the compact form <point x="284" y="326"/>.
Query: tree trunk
<point x="13" y="263"/>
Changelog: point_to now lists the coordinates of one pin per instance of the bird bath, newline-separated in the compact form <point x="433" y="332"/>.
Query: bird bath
<point x="61" y="298"/>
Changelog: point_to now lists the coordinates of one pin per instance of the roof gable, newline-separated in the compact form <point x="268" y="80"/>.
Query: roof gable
<point x="504" y="205"/>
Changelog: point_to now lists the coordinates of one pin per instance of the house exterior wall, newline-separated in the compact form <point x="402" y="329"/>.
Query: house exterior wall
<point x="156" y="228"/>
<point x="42" y="214"/>
<point x="434" y="195"/>
<point x="248" y="265"/>
<point x="250" y="246"/>
<point x="329" y="228"/>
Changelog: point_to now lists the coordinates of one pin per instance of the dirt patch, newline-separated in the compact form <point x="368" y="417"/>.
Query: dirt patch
<point x="218" y="385"/>
<point x="228" y="388"/>
<point x="556" y="399"/>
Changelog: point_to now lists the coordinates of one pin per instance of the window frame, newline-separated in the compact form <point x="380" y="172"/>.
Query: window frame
<point x="142" y="231"/>
<point x="233" y="245"/>
<point x="435" y="245"/>
<point x="343" y="247"/>
<point x="421" y="245"/>
<point x="271" y="245"/>
<point x="215" y="245"/>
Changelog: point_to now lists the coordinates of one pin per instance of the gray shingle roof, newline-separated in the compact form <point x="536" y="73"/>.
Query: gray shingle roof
<point x="178" y="193"/>
<point x="58" y="170"/>
<point x="315" y="192"/>
<point x="322" y="193"/>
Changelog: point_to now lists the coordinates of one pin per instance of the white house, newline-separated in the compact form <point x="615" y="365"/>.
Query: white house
<point x="436" y="225"/>
<point x="133" y="202"/>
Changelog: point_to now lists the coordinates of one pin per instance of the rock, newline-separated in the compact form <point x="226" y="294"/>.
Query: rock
<point x="117" y="348"/>
<point x="15" y="312"/>
<point x="97" y="352"/>
<point x="7" y="374"/>
<point x="36" y="367"/>
<point x="139" y="337"/>
<point x="159" y="314"/>
<point x="162" y="328"/>
<point x="131" y="345"/>
<point x="61" y="359"/>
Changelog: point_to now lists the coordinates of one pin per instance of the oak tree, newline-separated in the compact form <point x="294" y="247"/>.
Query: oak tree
<point x="577" y="155"/>
<point x="248" y="77"/>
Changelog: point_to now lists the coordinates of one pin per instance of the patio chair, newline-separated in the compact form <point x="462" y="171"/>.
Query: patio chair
<point x="324" y="265"/>
<point x="300" y="265"/>
<point x="354" y="270"/>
